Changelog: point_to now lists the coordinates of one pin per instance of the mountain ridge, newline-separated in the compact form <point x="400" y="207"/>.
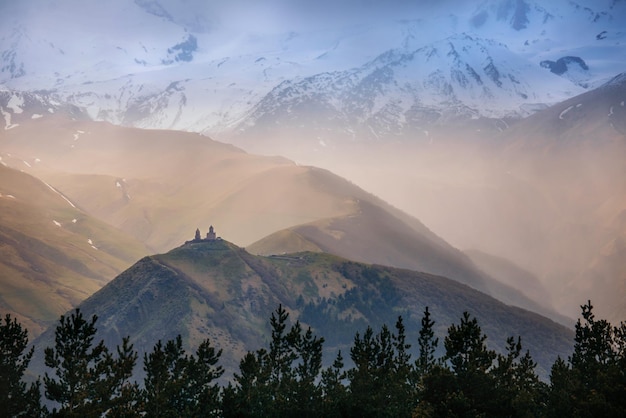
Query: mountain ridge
<point x="215" y="289"/>
<point x="370" y="236"/>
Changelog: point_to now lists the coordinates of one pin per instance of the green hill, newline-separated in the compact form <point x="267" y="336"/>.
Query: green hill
<point x="215" y="289"/>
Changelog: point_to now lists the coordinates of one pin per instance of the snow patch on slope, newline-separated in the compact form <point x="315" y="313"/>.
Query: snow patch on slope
<point x="60" y="194"/>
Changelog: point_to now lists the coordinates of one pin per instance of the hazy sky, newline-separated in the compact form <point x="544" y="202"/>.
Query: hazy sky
<point x="267" y="16"/>
<point x="277" y="14"/>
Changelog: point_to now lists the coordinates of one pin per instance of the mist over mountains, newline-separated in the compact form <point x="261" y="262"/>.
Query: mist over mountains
<point x="158" y="199"/>
<point x="392" y="134"/>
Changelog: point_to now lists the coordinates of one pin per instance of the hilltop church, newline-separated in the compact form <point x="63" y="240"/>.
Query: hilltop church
<point x="210" y="236"/>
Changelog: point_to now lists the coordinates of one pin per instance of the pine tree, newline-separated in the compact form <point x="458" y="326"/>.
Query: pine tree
<point x="307" y="394"/>
<point x="462" y="386"/>
<point x="470" y="360"/>
<point x="282" y="381"/>
<point x="563" y="386"/>
<point x="86" y="377"/>
<point x="365" y="387"/>
<point x="163" y="372"/>
<point x="438" y="394"/>
<point x="16" y="397"/>
<point x="518" y="390"/>
<point x="279" y="361"/>
<point x="403" y="394"/>
<point x="250" y="396"/>
<point x="334" y="391"/>
<point x="381" y="380"/>
<point x="594" y="381"/>
<point x="427" y="345"/>
<point x="202" y="390"/>
<point x="593" y="345"/>
<point x="424" y="366"/>
<point x="466" y="349"/>
<point x="121" y="394"/>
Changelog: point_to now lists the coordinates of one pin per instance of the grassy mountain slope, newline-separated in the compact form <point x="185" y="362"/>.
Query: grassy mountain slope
<point x="52" y="254"/>
<point x="373" y="235"/>
<point x="215" y="289"/>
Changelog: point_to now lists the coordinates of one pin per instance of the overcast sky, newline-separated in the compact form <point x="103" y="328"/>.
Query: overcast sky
<point x="250" y="15"/>
<point x="275" y="14"/>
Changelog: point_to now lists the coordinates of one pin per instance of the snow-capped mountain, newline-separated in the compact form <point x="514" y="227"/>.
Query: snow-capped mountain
<point x="223" y="67"/>
<point x="402" y="92"/>
<point x="20" y="106"/>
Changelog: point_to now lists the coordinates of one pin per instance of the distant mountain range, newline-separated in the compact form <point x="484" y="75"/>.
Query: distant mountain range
<point x="576" y="227"/>
<point x="360" y="71"/>
<point x="402" y="94"/>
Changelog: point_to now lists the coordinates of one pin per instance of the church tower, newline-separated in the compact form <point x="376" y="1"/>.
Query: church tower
<point x="210" y="236"/>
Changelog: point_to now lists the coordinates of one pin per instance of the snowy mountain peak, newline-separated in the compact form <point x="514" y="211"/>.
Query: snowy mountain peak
<point x="460" y="77"/>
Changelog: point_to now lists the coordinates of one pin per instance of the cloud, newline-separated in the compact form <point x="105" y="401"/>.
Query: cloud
<point x="243" y="15"/>
<point x="275" y="15"/>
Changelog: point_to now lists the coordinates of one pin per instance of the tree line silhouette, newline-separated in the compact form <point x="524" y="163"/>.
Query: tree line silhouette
<point x="287" y="378"/>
